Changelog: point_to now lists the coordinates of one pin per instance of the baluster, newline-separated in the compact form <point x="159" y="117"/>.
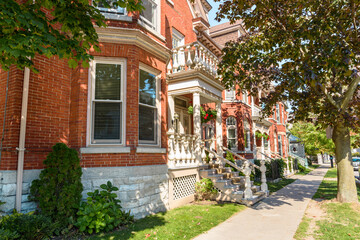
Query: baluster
<point x="177" y="151"/>
<point x="264" y="186"/>
<point x="183" y="153"/>
<point x="204" y="60"/>
<point x="193" y="142"/>
<point x="175" y="61"/>
<point x="171" y="155"/>
<point x="189" y="62"/>
<point x="182" y="59"/>
<point x="188" y="149"/>
<point x="200" y="58"/>
<point x="203" y="154"/>
<point x="216" y="67"/>
<point x="169" y="67"/>
<point x="247" y="171"/>
<point x="208" y="67"/>
<point x="196" y="56"/>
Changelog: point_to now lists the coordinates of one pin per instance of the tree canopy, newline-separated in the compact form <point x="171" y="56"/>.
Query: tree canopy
<point x="306" y="52"/>
<point x="51" y="27"/>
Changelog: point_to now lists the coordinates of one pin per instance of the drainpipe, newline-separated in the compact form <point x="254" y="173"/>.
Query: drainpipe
<point x="21" y="148"/>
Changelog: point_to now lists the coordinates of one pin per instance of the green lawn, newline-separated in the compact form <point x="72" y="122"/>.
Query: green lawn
<point x="273" y="187"/>
<point x="308" y="170"/>
<point x="332" y="173"/>
<point x="181" y="223"/>
<point x="342" y="220"/>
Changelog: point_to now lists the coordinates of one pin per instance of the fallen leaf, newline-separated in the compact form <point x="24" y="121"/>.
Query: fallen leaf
<point x="147" y="235"/>
<point x="154" y="233"/>
<point x="198" y="223"/>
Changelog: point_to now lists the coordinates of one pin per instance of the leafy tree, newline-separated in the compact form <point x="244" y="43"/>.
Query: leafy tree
<point x="314" y="138"/>
<point x="67" y="30"/>
<point x="308" y="50"/>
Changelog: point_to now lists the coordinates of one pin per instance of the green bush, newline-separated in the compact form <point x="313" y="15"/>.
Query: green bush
<point x="280" y="164"/>
<point x="204" y="189"/>
<point x="102" y="211"/>
<point x="26" y="226"/>
<point x="58" y="190"/>
<point x="301" y="168"/>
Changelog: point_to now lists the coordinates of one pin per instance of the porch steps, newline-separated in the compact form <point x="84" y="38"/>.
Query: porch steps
<point x="230" y="184"/>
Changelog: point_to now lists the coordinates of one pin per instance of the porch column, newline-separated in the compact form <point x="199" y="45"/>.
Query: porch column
<point x="219" y="137"/>
<point x="171" y="112"/>
<point x="197" y="125"/>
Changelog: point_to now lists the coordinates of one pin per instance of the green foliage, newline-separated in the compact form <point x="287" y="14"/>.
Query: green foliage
<point x="313" y="137"/>
<point x="206" y="116"/>
<point x="58" y="189"/>
<point x="102" y="211"/>
<point x="302" y="169"/>
<point x="357" y="154"/>
<point x="204" y="189"/>
<point x="26" y="226"/>
<point x="279" y="164"/>
<point x="67" y="30"/>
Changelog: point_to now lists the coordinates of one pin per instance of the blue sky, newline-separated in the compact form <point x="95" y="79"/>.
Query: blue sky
<point x="212" y="13"/>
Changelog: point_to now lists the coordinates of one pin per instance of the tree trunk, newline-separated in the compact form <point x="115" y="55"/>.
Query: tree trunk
<point x="345" y="173"/>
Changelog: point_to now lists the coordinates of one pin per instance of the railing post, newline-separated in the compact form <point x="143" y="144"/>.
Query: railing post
<point x="264" y="186"/>
<point x="247" y="171"/>
<point x="189" y="62"/>
<point x="182" y="59"/>
<point x="175" y="61"/>
<point x="171" y="155"/>
<point x="177" y="150"/>
<point x="188" y="149"/>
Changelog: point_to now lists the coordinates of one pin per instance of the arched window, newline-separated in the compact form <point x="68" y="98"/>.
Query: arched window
<point x="231" y="133"/>
<point x="247" y="140"/>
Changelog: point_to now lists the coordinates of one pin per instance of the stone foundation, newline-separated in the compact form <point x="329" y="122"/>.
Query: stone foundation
<point x="143" y="190"/>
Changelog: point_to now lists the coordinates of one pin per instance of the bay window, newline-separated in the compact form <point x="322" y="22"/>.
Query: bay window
<point x="148" y="108"/>
<point x="107" y="105"/>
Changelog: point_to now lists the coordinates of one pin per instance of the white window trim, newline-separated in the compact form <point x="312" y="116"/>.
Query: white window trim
<point x="91" y="93"/>
<point x="246" y="98"/>
<point x="179" y="36"/>
<point x="227" y="133"/>
<point x="232" y="96"/>
<point x="157" y="74"/>
<point x="145" y="23"/>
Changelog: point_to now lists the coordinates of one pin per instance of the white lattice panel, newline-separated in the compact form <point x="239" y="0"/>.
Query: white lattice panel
<point x="184" y="186"/>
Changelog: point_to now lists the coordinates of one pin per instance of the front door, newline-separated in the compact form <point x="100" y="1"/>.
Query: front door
<point x="182" y="122"/>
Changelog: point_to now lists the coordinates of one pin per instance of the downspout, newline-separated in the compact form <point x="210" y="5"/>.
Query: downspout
<point x="6" y="99"/>
<point x="21" y="148"/>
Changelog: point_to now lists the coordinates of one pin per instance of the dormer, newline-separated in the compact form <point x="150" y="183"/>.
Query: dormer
<point x="200" y="10"/>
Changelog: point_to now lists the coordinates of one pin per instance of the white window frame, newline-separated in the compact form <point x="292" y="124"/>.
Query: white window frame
<point x="157" y="18"/>
<point x="227" y="132"/>
<point x="248" y="135"/>
<point x="245" y="97"/>
<point x="91" y="96"/>
<point x="278" y="119"/>
<point x="112" y="13"/>
<point x="230" y="94"/>
<point x="176" y="34"/>
<point x="157" y="73"/>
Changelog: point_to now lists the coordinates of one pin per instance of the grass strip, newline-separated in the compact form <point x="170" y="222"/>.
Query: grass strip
<point x="308" y="170"/>
<point x="181" y="223"/>
<point x="301" y="232"/>
<point x="331" y="173"/>
<point x="328" y="190"/>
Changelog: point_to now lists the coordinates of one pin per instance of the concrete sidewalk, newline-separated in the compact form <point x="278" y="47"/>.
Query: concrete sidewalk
<point x="276" y="217"/>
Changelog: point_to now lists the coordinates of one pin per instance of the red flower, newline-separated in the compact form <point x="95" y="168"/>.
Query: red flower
<point x="211" y="115"/>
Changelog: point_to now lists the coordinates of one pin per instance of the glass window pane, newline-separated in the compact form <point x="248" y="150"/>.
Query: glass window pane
<point x="231" y="133"/>
<point x="107" y="121"/>
<point x="147" y="89"/>
<point x="112" y="9"/>
<point x="108" y="81"/>
<point x="231" y="143"/>
<point x="147" y="123"/>
<point x="148" y="12"/>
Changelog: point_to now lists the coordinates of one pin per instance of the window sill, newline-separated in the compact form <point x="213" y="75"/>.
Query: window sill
<point x="170" y="2"/>
<point x="150" y="150"/>
<point x="111" y="16"/>
<point x="97" y="150"/>
<point x="152" y="31"/>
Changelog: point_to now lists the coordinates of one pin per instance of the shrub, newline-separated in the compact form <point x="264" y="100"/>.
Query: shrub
<point x="102" y="211"/>
<point x="204" y="189"/>
<point x="301" y="168"/>
<point x="26" y="226"/>
<point x="274" y="169"/>
<point x="58" y="190"/>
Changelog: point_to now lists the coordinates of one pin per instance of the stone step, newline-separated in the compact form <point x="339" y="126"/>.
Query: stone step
<point x="215" y="177"/>
<point x="207" y="172"/>
<point x="239" y="179"/>
<point x="229" y="175"/>
<point x="213" y="165"/>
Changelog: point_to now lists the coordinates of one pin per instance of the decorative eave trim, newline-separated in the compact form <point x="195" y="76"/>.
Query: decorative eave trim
<point x="134" y="37"/>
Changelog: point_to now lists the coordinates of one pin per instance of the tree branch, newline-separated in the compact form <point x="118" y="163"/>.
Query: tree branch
<point x="350" y="91"/>
<point x="329" y="97"/>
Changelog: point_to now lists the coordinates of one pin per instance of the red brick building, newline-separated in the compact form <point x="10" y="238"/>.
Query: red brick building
<point x="244" y="128"/>
<point x="121" y="111"/>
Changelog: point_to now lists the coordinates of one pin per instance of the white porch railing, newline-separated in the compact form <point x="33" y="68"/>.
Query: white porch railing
<point x="182" y="150"/>
<point x="193" y="56"/>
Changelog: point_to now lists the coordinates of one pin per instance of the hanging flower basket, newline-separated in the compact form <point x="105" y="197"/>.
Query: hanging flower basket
<point x="260" y="135"/>
<point x="205" y="115"/>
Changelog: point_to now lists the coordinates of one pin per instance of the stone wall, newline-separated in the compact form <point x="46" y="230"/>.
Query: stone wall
<point x="142" y="189"/>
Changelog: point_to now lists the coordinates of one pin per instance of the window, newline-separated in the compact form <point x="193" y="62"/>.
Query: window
<point x="149" y="15"/>
<point x="245" y="97"/>
<point x="231" y="133"/>
<point x="230" y="94"/>
<point x="280" y="145"/>
<point x="107" y="102"/>
<point x="266" y="142"/>
<point x="277" y="113"/>
<point x="177" y="39"/>
<point x="148" y="108"/>
<point x="112" y="12"/>
<point x="247" y="140"/>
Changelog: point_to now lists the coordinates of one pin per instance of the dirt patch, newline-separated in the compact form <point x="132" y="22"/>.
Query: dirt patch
<point x="314" y="212"/>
